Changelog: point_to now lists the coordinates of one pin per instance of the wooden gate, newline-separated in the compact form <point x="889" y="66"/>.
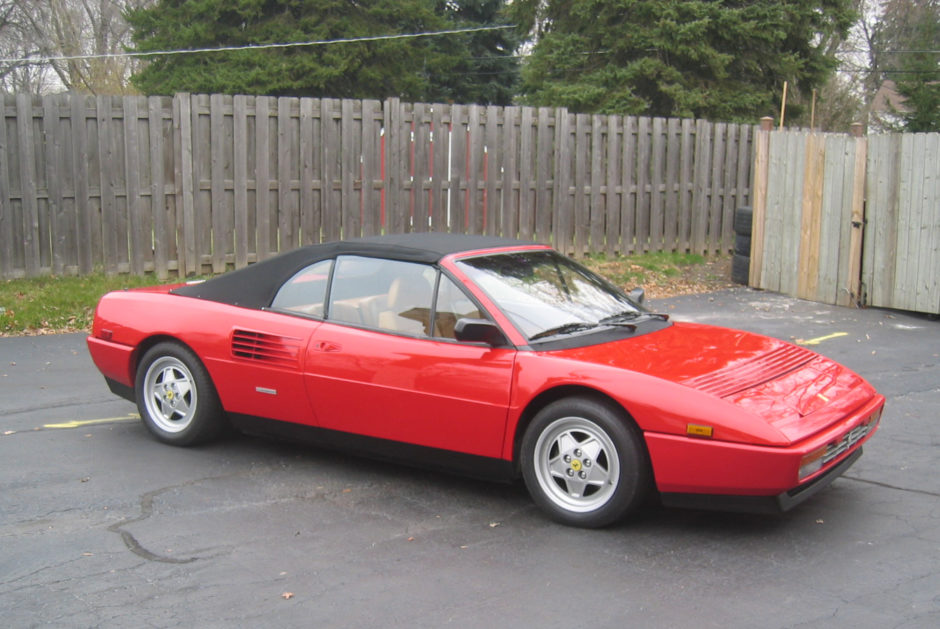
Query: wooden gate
<point x="848" y="219"/>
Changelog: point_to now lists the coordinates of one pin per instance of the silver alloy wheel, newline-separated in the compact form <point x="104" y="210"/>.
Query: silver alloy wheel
<point x="576" y="464"/>
<point x="170" y="394"/>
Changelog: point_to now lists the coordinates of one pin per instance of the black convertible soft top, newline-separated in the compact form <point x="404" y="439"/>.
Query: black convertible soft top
<point x="255" y="286"/>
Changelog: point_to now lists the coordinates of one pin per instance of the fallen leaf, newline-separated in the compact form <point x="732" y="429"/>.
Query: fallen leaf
<point x="287" y="596"/>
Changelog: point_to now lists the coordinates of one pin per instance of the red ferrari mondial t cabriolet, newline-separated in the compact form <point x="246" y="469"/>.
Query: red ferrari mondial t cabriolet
<point x="490" y="357"/>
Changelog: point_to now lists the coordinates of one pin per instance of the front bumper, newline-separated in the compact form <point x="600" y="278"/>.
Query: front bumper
<point x="783" y="501"/>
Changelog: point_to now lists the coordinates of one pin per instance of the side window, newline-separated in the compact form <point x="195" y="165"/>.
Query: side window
<point x="384" y="294"/>
<point x="452" y="304"/>
<point x="305" y="292"/>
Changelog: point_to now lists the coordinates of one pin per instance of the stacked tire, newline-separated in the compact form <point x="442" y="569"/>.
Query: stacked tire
<point x="741" y="261"/>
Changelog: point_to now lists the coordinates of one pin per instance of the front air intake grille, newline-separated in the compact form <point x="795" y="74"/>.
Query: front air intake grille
<point x="268" y="348"/>
<point x="833" y="450"/>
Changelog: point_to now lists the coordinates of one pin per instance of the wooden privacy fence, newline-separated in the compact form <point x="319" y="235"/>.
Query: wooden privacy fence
<point x="848" y="220"/>
<point x="199" y="183"/>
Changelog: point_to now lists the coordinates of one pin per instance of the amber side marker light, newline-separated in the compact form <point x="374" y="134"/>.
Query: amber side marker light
<point x="696" y="430"/>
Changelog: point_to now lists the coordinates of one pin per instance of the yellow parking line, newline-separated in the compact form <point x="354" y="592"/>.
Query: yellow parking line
<point x="820" y="339"/>
<point x="90" y="422"/>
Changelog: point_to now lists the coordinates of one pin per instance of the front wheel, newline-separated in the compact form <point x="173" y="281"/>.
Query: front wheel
<point x="584" y="462"/>
<point x="175" y="396"/>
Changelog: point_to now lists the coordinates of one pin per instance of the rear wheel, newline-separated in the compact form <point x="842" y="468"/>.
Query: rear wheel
<point x="175" y="396"/>
<point x="584" y="462"/>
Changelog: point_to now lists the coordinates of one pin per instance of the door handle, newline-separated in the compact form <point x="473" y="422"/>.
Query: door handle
<point x="326" y="346"/>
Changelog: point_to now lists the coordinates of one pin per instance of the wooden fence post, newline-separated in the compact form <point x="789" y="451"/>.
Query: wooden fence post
<point x="759" y="197"/>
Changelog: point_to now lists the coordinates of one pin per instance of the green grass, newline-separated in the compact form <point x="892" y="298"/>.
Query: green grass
<point x="638" y="269"/>
<point x="57" y="304"/>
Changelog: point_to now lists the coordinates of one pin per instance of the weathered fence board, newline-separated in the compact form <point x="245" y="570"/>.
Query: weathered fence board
<point x="198" y="183"/>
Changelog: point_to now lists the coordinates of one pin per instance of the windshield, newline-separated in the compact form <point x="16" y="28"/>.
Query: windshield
<point x="544" y="293"/>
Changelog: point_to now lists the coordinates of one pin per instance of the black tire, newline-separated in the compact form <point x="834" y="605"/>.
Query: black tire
<point x="742" y="244"/>
<point x="743" y="219"/>
<point x="740" y="269"/>
<point x="176" y="398"/>
<point x="585" y="463"/>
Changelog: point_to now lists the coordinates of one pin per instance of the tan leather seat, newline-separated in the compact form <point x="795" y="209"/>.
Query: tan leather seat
<point x="408" y="308"/>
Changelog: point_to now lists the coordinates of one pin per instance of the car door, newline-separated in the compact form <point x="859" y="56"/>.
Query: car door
<point x="258" y="372"/>
<point x="379" y="366"/>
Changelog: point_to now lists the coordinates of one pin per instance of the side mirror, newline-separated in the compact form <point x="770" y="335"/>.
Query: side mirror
<point x="637" y="295"/>
<point x="479" y="331"/>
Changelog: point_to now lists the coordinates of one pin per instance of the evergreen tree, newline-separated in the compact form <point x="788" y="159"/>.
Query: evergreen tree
<point x="718" y="59"/>
<point x="421" y="69"/>
<point x="909" y="36"/>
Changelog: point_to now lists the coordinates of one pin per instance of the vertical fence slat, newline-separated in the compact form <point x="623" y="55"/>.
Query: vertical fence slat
<point x="440" y="148"/>
<point x="476" y="157"/>
<point x="59" y="226"/>
<point x="421" y="181"/>
<point x="6" y="206"/>
<point x="929" y="259"/>
<point x="286" y="209"/>
<point x="716" y="157"/>
<point x="808" y="279"/>
<point x="240" y="178"/>
<point x="263" y="212"/>
<point x="657" y="220"/>
<point x="671" y="199"/>
<point x="700" y="175"/>
<point x="218" y="221"/>
<point x="643" y="192"/>
<point x="27" y="154"/>
<point x="614" y="191"/>
<point x="457" y="180"/>
<point x="158" y="206"/>
<point x="350" y="135"/>
<point x="527" y="151"/>
<point x="630" y="194"/>
<point x="398" y="134"/>
<point x="491" y="216"/>
<point x="509" y="207"/>
<point x="582" y="178"/>
<point x="596" y="186"/>
<point x="369" y="169"/>
<point x="140" y="226"/>
<point x="855" y="223"/>
<point x="728" y="184"/>
<point x="686" y="185"/>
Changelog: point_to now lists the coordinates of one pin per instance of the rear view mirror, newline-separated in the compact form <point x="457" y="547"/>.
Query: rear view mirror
<point x="637" y="295"/>
<point x="479" y="331"/>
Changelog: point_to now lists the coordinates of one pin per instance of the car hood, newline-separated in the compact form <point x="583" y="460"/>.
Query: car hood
<point x="794" y="389"/>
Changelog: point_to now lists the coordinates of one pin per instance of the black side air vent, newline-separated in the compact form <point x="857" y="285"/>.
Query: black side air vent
<point x="268" y="348"/>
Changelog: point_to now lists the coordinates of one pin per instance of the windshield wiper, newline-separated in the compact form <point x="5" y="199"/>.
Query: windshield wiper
<point x="566" y="328"/>
<point x="620" y="317"/>
<point x="624" y="318"/>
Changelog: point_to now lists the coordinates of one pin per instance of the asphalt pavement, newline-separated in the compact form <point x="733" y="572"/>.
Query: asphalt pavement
<point x="101" y="526"/>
